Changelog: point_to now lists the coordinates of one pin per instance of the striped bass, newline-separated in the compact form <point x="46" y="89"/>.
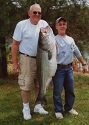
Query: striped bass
<point x="46" y="61"/>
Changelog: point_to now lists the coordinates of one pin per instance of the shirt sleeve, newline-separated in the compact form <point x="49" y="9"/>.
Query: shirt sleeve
<point x="77" y="52"/>
<point x="17" y="33"/>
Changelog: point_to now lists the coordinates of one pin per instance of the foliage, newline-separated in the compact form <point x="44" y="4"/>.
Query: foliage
<point x="5" y="16"/>
<point x="75" y="11"/>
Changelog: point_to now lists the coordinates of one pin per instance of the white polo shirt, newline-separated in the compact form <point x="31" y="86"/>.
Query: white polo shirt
<point x="28" y="34"/>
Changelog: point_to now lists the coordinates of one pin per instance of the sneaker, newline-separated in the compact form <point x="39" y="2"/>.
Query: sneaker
<point x="38" y="108"/>
<point x="72" y="111"/>
<point x="26" y="114"/>
<point x="59" y="115"/>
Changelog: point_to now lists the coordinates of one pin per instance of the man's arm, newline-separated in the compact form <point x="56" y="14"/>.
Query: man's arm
<point x="82" y="60"/>
<point x="14" y="51"/>
<point x="83" y="63"/>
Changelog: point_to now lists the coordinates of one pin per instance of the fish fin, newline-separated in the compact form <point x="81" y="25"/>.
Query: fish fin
<point x="49" y="55"/>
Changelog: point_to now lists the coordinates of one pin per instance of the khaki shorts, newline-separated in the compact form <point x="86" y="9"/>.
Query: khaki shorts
<point x="27" y="72"/>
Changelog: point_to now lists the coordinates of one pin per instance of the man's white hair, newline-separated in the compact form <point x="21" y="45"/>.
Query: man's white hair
<point x="37" y="5"/>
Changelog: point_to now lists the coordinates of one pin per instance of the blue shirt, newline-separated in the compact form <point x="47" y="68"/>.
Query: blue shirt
<point x="66" y="49"/>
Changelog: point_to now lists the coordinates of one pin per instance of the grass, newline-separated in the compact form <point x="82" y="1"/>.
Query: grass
<point x="11" y="105"/>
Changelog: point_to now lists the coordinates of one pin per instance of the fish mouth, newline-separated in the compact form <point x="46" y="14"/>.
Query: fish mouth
<point x="43" y="33"/>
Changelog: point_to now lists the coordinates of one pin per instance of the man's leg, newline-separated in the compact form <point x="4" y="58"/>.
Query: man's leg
<point x="58" y="81"/>
<point x="25" y="96"/>
<point x="25" y="80"/>
<point x="26" y="109"/>
<point x="69" y="92"/>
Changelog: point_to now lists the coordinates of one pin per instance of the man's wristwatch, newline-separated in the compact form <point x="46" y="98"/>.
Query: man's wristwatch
<point x="84" y="64"/>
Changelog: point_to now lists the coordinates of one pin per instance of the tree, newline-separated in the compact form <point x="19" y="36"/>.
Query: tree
<point x="7" y="22"/>
<point x="12" y="11"/>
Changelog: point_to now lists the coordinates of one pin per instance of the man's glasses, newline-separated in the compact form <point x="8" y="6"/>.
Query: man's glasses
<point x="35" y="12"/>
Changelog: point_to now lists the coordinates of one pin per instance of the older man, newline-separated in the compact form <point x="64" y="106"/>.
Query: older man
<point x="25" y="41"/>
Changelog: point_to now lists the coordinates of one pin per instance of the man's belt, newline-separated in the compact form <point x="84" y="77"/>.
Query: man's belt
<point x="64" y="66"/>
<point x="27" y="55"/>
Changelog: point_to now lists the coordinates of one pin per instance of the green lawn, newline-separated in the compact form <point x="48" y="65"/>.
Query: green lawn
<point x="11" y="105"/>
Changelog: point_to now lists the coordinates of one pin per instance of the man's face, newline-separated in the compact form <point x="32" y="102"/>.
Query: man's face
<point x="35" y="14"/>
<point x="61" y="27"/>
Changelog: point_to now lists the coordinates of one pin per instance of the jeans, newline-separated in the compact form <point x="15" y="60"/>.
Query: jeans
<point x="63" y="78"/>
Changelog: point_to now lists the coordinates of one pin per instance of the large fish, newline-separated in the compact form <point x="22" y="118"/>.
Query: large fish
<point x="46" y="61"/>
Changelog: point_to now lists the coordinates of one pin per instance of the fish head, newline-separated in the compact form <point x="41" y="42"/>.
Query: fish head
<point x="45" y="38"/>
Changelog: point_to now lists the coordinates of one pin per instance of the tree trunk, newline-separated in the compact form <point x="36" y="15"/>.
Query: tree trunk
<point x="3" y="60"/>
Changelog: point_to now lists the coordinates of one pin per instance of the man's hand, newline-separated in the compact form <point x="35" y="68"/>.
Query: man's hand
<point x="15" y="68"/>
<point x="84" y="67"/>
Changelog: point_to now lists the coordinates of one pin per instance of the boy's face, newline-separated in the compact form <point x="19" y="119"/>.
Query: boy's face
<point x="61" y="27"/>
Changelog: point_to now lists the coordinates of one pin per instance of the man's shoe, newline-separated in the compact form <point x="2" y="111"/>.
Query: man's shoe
<point x="72" y="111"/>
<point x="26" y="114"/>
<point x="59" y="115"/>
<point x="39" y="109"/>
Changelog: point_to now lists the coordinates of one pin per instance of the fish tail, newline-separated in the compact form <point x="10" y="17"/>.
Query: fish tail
<point x="41" y="100"/>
